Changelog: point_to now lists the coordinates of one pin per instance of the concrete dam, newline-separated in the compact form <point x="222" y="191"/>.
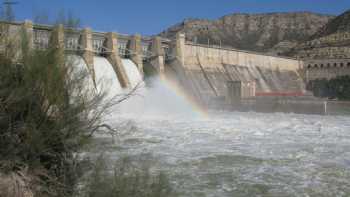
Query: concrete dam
<point x="209" y="72"/>
<point x="208" y="75"/>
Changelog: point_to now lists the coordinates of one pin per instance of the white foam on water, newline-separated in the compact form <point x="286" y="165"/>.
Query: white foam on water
<point x="245" y="153"/>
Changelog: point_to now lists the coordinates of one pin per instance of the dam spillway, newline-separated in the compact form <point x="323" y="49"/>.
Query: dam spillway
<point x="210" y="76"/>
<point x="132" y="72"/>
<point x="106" y="78"/>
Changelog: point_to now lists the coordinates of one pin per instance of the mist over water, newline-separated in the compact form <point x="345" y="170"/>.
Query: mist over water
<point x="157" y="99"/>
<point x="230" y="153"/>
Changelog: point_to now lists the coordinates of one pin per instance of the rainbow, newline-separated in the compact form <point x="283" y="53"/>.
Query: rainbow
<point x="195" y="105"/>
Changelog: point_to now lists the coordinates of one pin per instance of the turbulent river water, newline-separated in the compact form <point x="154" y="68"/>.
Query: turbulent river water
<point x="229" y="154"/>
<point x="244" y="154"/>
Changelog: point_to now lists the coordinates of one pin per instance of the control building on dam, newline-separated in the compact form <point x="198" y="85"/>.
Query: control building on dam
<point x="209" y="74"/>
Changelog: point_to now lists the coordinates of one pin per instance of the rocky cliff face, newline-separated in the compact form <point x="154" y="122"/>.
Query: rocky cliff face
<point x="274" y="33"/>
<point x="332" y="41"/>
<point x="340" y="24"/>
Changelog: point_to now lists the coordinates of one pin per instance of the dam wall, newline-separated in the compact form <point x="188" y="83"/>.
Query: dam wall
<point x="205" y="72"/>
<point x="209" y="71"/>
<point x="85" y="43"/>
<point x="215" y="57"/>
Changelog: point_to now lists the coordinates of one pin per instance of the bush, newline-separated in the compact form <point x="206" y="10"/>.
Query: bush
<point x="46" y="115"/>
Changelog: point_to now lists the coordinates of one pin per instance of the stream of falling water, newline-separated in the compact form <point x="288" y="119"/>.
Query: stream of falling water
<point x="233" y="154"/>
<point x="106" y="78"/>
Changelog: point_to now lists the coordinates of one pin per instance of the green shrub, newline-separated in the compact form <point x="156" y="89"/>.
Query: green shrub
<point x="46" y="115"/>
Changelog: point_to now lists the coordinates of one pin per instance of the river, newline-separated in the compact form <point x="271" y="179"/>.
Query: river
<point x="243" y="154"/>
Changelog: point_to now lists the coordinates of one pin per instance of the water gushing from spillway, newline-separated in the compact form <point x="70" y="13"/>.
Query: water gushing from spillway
<point x="106" y="78"/>
<point x="158" y="98"/>
<point x="132" y="72"/>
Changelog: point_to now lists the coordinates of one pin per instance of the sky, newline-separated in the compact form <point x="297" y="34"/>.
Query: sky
<point x="149" y="17"/>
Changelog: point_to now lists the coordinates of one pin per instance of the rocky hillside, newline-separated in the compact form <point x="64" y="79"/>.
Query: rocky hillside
<point x="273" y="32"/>
<point x="331" y="41"/>
<point x="340" y="24"/>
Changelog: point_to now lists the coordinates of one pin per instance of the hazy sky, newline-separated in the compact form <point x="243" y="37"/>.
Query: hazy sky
<point x="152" y="16"/>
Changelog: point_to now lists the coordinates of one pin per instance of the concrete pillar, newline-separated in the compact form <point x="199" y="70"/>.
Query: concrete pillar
<point x="87" y="50"/>
<point x="136" y="49"/>
<point x="115" y="60"/>
<point x="58" y="37"/>
<point x="57" y="41"/>
<point x="158" y="51"/>
<point x="180" y="47"/>
<point x="86" y="43"/>
<point x="28" y="30"/>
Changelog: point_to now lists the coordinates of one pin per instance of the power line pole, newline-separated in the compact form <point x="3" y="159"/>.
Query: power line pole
<point x="8" y="14"/>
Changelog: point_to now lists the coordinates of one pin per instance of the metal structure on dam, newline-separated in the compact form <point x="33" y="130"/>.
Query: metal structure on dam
<point x="209" y="74"/>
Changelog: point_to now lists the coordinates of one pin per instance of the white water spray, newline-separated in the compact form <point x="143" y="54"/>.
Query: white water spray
<point x="157" y="99"/>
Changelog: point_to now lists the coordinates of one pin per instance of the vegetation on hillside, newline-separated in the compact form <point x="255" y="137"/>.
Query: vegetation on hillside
<point x="339" y="24"/>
